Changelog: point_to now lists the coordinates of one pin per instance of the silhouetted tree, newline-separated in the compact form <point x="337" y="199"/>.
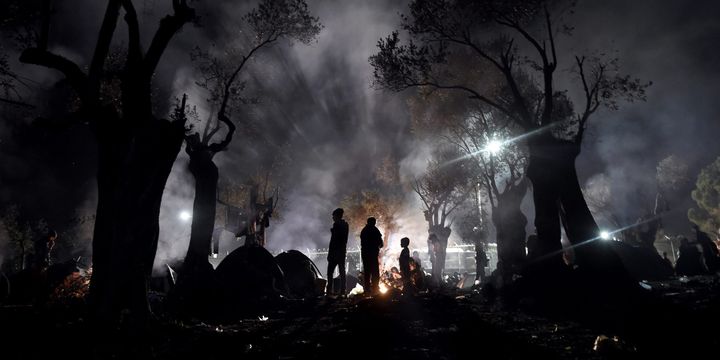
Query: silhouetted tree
<point x="381" y="199"/>
<point x="441" y="190"/>
<point x="672" y="176"/>
<point x="500" y="169"/>
<point x="21" y="236"/>
<point x="471" y="222"/>
<point x="270" y="22"/>
<point x="514" y="43"/>
<point x="18" y="27"/>
<point x="136" y="151"/>
<point x="363" y="204"/>
<point x="484" y="137"/>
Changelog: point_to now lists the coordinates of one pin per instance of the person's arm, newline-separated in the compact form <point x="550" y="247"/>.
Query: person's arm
<point x="345" y="232"/>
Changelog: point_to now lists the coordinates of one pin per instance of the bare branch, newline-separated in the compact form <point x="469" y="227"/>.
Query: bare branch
<point x="228" y="84"/>
<point x="474" y="94"/>
<point x="169" y="25"/>
<point x="78" y="80"/>
<point x="525" y="120"/>
<point x="17" y="103"/>
<point x="222" y="146"/>
<point x="551" y="37"/>
<point x="44" y="38"/>
<point x="134" y="52"/>
<point x="503" y="20"/>
<point x="107" y="29"/>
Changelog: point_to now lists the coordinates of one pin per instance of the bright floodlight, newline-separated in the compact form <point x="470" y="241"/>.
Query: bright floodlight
<point x="494" y="147"/>
<point x="185" y="215"/>
<point x="605" y="235"/>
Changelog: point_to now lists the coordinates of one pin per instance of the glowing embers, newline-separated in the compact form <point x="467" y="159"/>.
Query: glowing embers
<point x="383" y="288"/>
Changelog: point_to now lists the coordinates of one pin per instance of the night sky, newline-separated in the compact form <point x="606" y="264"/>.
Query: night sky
<point x="317" y="104"/>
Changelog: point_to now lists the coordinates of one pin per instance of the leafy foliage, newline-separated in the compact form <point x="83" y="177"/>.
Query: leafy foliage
<point x="6" y="77"/>
<point x="274" y="19"/>
<point x="672" y="174"/>
<point x="363" y="204"/>
<point x="471" y="226"/>
<point x="515" y="82"/>
<point x="707" y="197"/>
<point x="220" y="68"/>
<point x="444" y="186"/>
<point x="21" y="236"/>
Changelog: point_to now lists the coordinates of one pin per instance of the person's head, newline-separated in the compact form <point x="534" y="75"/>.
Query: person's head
<point x="416" y="253"/>
<point x="337" y="214"/>
<point x="51" y="235"/>
<point x="405" y="242"/>
<point x="371" y="221"/>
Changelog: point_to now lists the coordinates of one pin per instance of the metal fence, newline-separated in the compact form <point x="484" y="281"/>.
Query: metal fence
<point x="459" y="258"/>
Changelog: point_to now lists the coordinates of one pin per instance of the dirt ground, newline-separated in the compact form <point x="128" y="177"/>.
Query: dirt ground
<point x="682" y="319"/>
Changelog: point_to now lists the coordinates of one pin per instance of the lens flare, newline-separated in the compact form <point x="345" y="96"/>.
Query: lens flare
<point x="185" y="216"/>
<point x="494" y="147"/>
<point x="605" y="235"/>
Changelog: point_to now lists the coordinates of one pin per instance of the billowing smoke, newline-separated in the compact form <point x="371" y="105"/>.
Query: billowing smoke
<point x="677" y="55"/>
<point x="174" y="227"/>
<point x="317" y="106"/>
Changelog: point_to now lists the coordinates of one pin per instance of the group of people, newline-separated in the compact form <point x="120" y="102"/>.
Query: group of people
<point x="370" y="244"/>
<point x="693" y="262"/>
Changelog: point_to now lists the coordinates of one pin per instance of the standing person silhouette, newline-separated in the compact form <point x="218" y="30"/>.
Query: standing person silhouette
<point x="43" y="249"/>
<point x="405" y="265"/>
<point x="370" y="244"/>
<point x="337" y="251"/>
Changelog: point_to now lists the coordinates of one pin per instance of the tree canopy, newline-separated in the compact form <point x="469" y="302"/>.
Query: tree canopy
<point x="514" y="47"/>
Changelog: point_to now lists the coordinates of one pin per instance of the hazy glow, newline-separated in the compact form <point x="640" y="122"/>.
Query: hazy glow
<point x="605" y="235"/>
<point x="185" y="215"/>
<point x="383" y="288"/>
<point x="494" y="147"/>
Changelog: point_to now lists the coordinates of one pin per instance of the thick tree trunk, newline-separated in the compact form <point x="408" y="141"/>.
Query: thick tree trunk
<point x="556" y="191"/>
<point x="204" y="205"/>
<point x="509" y="222"/>
<point x="443" y="234"/>
<point x="593" y="255"/>
<point x="134" y="164"/>
<point x="196" y="288"/>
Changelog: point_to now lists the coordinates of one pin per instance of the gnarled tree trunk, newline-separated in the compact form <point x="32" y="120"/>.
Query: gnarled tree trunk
<point x="509" y="222"/>
<point x="443" y="235"/>
<point x="557" y="192"/>
<point x="133" y="166"/>
<point x="203" y="223"/>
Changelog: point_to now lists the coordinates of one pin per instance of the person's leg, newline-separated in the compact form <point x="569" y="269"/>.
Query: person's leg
<point x="376" y="274"/>
<point x="367" y="273"/>
<point x="407" y="282"/>
<point x="330" y="272"/>
<point x="343" y="280"/>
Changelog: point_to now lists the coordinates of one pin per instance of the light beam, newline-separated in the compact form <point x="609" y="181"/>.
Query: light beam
<point x="494" y="147"/>
<point x="185" y="216"/>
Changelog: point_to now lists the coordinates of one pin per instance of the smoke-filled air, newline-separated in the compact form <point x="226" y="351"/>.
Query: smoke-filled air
<point x="194" y="165"/>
